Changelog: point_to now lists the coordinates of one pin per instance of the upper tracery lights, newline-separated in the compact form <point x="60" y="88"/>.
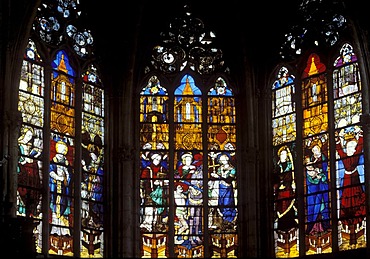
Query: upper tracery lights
<point x="52" y="28"/>
<point x="321" y="25"/>
<point x="187" y="44"/>
<point x="64" y="7"/>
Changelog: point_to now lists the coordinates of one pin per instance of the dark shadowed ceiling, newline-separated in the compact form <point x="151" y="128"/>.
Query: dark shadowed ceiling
<point x="259" y="25"/>
<point x="251" y="29"/>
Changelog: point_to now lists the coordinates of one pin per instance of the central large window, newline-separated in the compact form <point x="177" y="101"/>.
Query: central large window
<point x="188" y="148"/>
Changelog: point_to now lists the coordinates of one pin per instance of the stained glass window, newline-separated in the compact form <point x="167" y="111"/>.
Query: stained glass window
<point x="286" y="232"/>
<point x="62" y="107"/>
<point x="188" y="173"/>
<point x="316" y="155"/>
<point x="349" y="170"/>
<point x="332" y="169"/>
<point x="193" y="181"/>
<point x="324" y="138"/>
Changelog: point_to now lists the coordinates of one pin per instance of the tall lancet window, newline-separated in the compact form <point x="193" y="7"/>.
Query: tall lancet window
<point x="188" y="170"/>
<point x="61" y="143"/>
<point x="286" y="232"/>
<point x="349" y="171"/>
<point x="316" y="155"/>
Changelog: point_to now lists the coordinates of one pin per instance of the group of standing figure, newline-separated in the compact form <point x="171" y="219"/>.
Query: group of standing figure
<point x="350" y="178"/>
<point x="188" y="194"/>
